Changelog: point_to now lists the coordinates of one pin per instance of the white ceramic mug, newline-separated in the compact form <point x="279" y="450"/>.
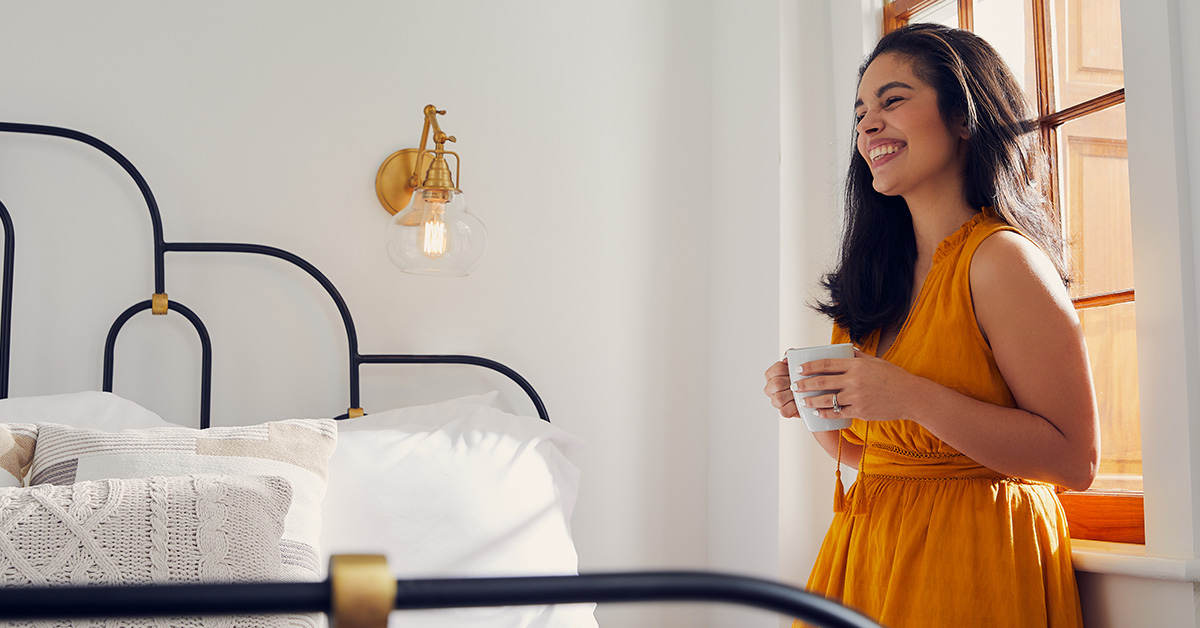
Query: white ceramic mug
<point x="795" y="358"/>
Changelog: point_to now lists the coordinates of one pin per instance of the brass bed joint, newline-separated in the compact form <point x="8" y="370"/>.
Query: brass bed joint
<point x="363" y="591"/>
<point x="158" y="304"/>
<point x="354" y="413"/>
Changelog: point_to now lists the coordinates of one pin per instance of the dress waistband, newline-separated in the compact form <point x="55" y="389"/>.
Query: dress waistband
<point x="889" y="461"/>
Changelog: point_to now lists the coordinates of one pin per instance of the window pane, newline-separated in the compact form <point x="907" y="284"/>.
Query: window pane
<point x="1112" y="349"/>
<point x="945" y="13"/>
<point x="1008" y="26"/>
<point x="1087" y="50"/>
<point x="1094" y="200"/>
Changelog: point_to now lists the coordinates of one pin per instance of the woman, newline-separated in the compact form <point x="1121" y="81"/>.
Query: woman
<point x="970" y="387"/>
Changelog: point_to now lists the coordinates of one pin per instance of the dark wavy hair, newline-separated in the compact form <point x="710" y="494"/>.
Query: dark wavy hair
<point x="1006" y="171"/>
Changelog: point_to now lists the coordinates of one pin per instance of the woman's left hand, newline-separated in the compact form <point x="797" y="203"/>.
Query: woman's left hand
<point x="869" y="388"/>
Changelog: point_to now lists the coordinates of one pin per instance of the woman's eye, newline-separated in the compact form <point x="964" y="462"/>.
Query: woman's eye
<point x="891" y="101"/>
<point x="858" y="117"/>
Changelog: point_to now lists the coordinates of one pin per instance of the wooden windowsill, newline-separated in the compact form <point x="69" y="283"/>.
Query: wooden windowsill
<point x="1123" y="559"/>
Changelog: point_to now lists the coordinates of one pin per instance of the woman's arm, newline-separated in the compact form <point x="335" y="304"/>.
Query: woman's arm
<point x="1023" y="310"/>
<point x="1037" y="340"/>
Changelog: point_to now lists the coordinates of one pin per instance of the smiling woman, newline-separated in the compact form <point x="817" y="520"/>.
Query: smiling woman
<point x="970" y="387"/>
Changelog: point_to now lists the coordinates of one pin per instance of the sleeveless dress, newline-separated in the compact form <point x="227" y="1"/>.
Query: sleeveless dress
<point x="926" y="536"/>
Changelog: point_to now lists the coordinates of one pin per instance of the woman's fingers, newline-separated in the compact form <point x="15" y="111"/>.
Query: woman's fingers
<point x="829" y="402"/>
<point x="779" y="389"/>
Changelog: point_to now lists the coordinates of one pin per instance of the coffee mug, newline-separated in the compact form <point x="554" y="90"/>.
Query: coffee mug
<point x="795" y="358"/>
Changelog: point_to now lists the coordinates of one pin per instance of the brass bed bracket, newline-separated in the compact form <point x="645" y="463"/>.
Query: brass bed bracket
<point x="158" y="304"/>
<point x="363" y="591"/>
<point x="354" y="413"/>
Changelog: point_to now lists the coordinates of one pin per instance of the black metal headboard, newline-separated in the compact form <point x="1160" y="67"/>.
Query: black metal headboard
<point x="159" y="303"/>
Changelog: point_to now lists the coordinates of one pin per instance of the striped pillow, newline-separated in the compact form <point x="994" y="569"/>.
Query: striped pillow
<point x="296" y="450"/>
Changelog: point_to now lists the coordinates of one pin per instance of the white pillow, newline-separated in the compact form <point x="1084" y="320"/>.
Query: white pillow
<point x="97" y="410"/>
<point x="296" y="450"/>
<point x="457" y="490"/>
<point x="163" y="530"/>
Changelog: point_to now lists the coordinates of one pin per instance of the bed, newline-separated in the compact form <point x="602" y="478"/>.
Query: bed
<point x="457" y="512"/>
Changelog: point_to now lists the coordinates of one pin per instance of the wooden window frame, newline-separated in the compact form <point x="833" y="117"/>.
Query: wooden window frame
<point x="1114" y="516"/>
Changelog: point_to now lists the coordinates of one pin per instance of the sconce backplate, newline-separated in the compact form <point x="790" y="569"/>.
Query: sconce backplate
<point x="393" y="183"/>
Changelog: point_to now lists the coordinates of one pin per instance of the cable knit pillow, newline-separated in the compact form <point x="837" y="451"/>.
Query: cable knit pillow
<point x="297" y="450"/>
<point x="146" y="531"/>
<point x="16" y="452"/>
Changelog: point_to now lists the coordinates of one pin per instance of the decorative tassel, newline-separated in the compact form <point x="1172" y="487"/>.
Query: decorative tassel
<point x="839" y="491"/>
<point x="861" y="507"/>
<point x="839" y="494"/>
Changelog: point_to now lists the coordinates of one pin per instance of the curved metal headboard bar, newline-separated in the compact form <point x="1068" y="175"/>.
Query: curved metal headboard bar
<point x="161" y="247"/>
<point x="463" y="359"/>
<point x="151" y="204"/>
<point x="357" y="359"/>
<point x="10" y="245"/>
<point x="296" y="260"/>
<point x="110" y="344"/>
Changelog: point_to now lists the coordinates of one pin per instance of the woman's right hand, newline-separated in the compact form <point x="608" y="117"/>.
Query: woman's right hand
<point x="779" y="389"/>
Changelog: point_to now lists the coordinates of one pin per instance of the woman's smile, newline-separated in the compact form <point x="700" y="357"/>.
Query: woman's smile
<point x="882" y="153"/>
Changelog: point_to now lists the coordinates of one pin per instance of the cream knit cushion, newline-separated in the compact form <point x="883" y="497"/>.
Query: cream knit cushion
<point x="297" y="450"/>
<point x="16" y="452"/>
<point x="146" y="531"/>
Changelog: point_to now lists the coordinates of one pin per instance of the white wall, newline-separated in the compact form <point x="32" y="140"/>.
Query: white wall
<point x="743" y="464"/>
<point x="823" y="46"/>
<point x="586" y="136"/>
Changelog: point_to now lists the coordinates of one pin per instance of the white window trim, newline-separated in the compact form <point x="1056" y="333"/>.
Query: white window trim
<point x="1164" y="240"/>
<point x="1131" y="560"/>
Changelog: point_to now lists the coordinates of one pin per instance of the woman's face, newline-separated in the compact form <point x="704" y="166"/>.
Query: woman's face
<point x="901" y="133"/>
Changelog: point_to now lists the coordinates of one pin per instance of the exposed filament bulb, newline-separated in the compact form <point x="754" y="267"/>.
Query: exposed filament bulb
<point x="433" y="231"/>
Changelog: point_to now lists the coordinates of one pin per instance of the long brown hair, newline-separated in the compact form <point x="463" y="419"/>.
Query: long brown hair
<point x="1006" y="170"/>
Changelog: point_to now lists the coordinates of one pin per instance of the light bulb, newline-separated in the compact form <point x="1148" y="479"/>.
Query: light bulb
<point x="433" y="230"/>
<point x="435" y="235"/>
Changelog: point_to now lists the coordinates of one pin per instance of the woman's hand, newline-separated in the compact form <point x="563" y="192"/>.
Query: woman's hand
<point x="867" y="388"/>
<point x="779" y="390"/>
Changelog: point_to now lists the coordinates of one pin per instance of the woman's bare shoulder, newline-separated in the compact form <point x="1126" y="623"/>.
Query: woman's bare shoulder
<point x="1007" y="260"/>
<point x="1011" y="276"/>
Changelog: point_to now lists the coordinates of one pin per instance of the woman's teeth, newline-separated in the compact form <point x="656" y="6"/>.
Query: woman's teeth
<point x="880" y="151"/>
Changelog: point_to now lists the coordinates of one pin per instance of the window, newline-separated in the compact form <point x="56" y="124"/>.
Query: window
<point x="1068" y="55"/>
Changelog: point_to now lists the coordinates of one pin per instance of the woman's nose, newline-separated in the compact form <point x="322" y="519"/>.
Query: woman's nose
<point x="869" y="123"/>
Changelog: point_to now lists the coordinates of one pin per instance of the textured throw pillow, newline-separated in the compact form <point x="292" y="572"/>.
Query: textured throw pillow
<point x="161" y="530"/>
<point x="16" y="452"/>
<point x="297" y="450"/>
<point x="458" y="490"/>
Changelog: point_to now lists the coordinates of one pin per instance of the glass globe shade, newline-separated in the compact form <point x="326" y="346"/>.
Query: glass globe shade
<point x="436" y="235"/>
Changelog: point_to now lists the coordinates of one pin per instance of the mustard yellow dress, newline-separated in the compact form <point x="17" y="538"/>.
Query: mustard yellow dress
<point x="926" y="536"/>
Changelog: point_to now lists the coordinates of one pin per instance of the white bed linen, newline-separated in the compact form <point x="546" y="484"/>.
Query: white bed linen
<point x="91" y="409"/>
<point x="455" y="489"/>
<point x="458" y="489"/>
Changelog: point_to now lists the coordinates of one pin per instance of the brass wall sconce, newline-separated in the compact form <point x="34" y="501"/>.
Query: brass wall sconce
<point x="431" y="232"/>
